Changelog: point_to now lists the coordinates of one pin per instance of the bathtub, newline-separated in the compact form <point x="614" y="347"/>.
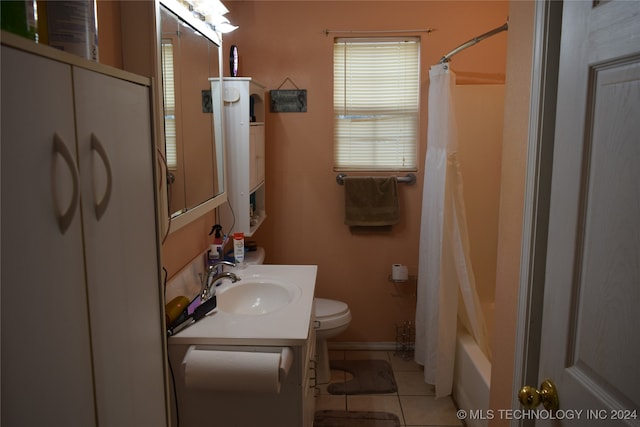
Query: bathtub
<point x="472" y="376"/>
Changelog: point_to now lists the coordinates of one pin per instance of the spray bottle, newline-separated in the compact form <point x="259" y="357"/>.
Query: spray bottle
<point x="215" y="250"/>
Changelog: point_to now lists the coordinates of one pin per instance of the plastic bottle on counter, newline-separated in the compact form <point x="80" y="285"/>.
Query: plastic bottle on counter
<point x="238" y="248"/>
<point x="175" y="308"/>
<point x="72" y="27"/>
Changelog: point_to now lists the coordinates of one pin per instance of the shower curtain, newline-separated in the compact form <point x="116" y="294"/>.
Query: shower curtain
<point x="445" y="275"/>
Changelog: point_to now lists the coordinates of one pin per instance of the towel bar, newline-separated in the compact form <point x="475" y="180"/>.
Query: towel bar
<point x="409" y="178"/>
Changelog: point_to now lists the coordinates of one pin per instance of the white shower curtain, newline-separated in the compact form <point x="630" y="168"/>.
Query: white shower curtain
<point x="444" y="273"/>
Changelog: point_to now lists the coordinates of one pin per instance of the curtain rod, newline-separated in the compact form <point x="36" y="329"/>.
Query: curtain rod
<point x="422" y="30"/>
<point x="474" y="41"/>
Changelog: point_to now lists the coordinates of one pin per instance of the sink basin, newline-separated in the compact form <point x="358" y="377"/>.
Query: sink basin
<point x="271" y="305"/>
<point x="254" y="297"/>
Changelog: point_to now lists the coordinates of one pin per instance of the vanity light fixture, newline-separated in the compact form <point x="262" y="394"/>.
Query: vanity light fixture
<point x="213" y="12"/>
<point x="225" y="27"/>
<point x="206" y="16"/>
<point x="221" y="24"/>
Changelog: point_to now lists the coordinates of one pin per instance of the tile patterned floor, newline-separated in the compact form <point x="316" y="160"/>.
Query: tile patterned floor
<point x="414" y="403"/>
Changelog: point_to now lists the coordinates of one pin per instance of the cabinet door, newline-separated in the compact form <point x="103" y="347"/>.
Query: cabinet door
<point x="46" y="358"/>
<point x="256" y="156"/>
<point x="115" y="154"/>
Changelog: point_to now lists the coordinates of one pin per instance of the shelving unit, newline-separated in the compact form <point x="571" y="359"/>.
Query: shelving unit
<point x="401" y="291"/>
<point x="244" y="116"/>
<point x="405" y="340"/>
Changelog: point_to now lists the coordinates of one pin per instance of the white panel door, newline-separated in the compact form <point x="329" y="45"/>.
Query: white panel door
<point x="121" y="247"/>
<point x="46" y="352"/>
<point x="591" y="326"/>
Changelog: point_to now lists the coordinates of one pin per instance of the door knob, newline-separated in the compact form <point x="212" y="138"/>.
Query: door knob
<point x="530" y="397"/>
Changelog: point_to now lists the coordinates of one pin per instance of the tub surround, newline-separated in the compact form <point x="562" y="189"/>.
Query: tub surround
<point x="472" y="369"/>
<point x="472" y="377"/>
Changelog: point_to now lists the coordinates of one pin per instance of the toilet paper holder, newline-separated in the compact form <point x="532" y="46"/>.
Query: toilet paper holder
<point x="400" y="276"/>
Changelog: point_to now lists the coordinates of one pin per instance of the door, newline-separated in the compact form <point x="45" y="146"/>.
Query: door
<point x="46" y="351"/>
<point x="115" y="156"/>
<point x="590" y="345"/>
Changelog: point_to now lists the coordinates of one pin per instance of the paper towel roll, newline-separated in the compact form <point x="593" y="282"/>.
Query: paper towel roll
<point x="399" y="272"/>
<point x="219" y="370"/>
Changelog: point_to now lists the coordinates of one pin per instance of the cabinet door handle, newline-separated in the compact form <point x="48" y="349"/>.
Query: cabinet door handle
<point x="101" y="206"/>
<point x="64" y="218"/>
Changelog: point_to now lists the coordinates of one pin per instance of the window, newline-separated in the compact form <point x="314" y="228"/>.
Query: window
<point x="168" y="87"/>
<point x="376" y="103"/>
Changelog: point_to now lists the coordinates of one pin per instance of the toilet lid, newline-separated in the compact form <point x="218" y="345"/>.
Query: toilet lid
<point x="328" y="307"/>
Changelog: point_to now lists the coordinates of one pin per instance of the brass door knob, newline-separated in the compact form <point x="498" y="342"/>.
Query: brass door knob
<point x="530" y="397"/>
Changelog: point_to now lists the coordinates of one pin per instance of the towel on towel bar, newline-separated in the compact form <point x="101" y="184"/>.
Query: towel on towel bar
<point x="371" y="201"/>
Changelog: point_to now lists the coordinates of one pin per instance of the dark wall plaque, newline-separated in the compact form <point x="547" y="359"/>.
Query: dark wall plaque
<point x="288" y="101"/>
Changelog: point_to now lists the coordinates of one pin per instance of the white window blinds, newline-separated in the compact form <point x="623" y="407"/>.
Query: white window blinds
<point x="376" y="103"/>
<point x="168" y="87"/>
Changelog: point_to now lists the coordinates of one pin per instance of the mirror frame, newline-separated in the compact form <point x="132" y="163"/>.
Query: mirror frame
<point x="219" y="143"/>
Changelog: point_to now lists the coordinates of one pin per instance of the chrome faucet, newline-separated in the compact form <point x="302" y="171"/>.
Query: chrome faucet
<point x="209" y="289"/>
<point x="213" y="276"/>
<point x="214" y="268"/>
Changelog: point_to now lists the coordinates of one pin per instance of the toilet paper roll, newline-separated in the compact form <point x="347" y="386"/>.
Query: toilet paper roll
<point x="219" y="370"/>
<point x="399" y="272"/>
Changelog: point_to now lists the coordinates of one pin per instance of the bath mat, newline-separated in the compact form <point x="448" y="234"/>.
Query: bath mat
<point x="369" y="377"/>
<point x="355" y="419"/>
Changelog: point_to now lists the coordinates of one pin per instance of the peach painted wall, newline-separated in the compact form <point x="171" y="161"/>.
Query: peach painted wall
<point x="518" y="89"/>
<point x="109" y="33"/>
<point x="279" y="40"/>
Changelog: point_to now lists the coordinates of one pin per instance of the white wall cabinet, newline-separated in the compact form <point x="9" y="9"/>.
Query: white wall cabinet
<point x="244" y="114"/>
<point x="82" y="328"/>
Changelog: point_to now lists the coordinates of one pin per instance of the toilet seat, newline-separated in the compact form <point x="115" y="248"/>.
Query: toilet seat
<point x="331" y="314"/>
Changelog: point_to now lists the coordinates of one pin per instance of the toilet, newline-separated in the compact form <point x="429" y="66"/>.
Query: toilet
<point x="332" y="318"/>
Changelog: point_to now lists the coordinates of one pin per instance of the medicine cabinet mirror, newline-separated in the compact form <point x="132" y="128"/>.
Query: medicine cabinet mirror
<point x="194" y="148"/>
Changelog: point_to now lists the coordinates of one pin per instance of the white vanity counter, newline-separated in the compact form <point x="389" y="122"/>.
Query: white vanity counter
<point x="284" y="323"/>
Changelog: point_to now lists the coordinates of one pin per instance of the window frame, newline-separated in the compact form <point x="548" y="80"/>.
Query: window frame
<point x="372" y="123"/>
<point x="170" y="106"/>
